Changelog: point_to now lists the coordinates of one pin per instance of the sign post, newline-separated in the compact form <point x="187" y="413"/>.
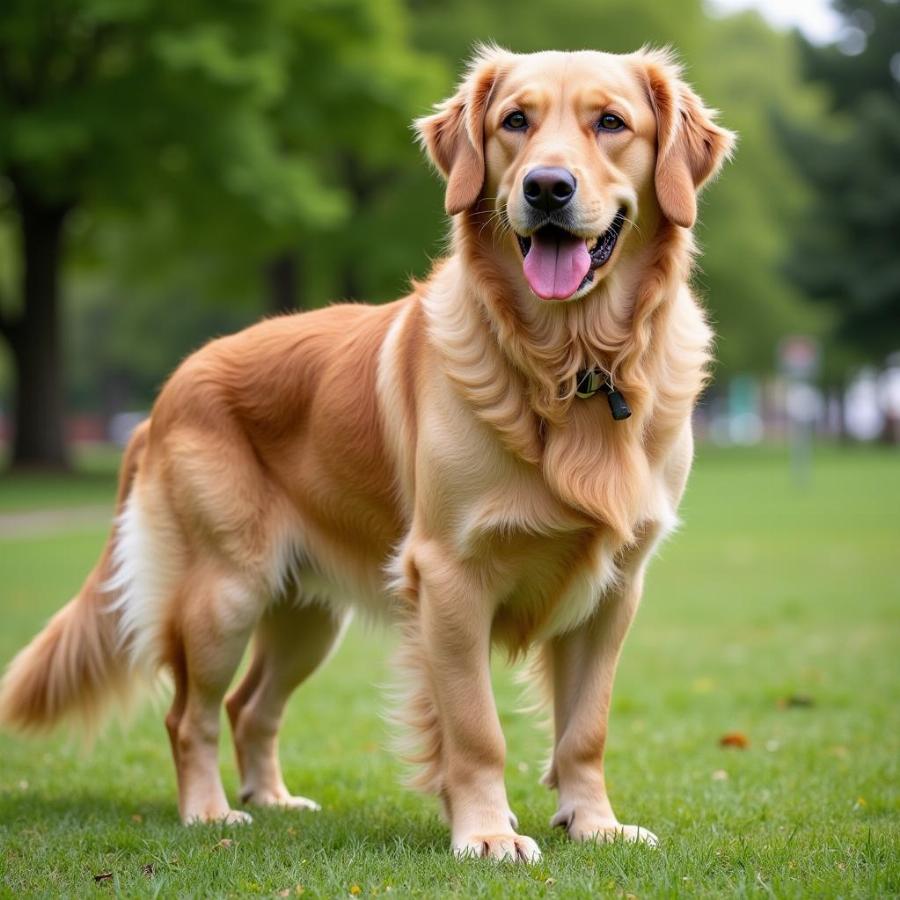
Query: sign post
<point x="799" y="360"/>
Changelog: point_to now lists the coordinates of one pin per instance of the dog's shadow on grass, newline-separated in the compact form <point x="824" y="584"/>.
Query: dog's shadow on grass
<point x="381" y="827"/>
<point x="81" y="809"/>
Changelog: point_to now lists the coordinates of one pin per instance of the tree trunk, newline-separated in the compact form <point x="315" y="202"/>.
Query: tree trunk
<point x="281" y="280"/>
<point x="35" y="339"/>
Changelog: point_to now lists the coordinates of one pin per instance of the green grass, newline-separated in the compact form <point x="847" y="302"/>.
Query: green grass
<point x="767" y="592"/>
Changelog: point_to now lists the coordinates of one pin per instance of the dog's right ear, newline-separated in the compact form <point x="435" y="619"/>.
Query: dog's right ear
<point x="454" y="135"/>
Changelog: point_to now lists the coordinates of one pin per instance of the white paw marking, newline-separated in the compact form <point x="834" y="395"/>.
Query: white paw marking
<point x="585" y="828"/>
<point x="503" y="847"/>
<point x="278" y="799"/>
<point x="230" y="817"/>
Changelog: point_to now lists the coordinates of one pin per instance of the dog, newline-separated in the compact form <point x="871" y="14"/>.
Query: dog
<point x="488" y="461"/>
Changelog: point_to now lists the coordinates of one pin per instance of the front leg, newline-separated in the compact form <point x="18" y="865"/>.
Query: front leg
<point x="582" y="665"/>
<point x="455" y="616"/>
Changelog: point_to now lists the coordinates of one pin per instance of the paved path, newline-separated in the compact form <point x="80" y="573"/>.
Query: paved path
<point x="45" y="522"/>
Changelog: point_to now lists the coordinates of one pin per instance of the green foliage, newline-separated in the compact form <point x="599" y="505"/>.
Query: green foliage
<point x="747" y="216"/>
<point x="846" y="251"/>
<point x="781" y="593"/>
<point x="112" y="101"/>
<point x="195" y="141"/>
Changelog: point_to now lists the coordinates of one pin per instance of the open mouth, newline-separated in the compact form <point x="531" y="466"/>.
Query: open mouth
<point x="558" y="263"/>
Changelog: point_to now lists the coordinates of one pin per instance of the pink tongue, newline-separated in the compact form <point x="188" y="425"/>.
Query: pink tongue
<point x="556" y="264"/>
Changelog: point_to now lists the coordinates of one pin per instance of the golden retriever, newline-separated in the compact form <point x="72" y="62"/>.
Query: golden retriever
<point x="490" y="460"/>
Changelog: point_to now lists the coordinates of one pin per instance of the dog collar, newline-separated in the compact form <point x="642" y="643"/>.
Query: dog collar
<point x="594" y="381"/>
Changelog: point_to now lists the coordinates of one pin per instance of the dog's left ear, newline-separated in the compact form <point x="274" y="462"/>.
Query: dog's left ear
<point x="454" y="135"/>
<point x="690" y="146"/>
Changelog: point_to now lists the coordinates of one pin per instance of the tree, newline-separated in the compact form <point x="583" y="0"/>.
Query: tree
<point x="114" y="104"/>
<point x="845" y="255"/>
<point x="355" y="118"/>
<point x="748" y="217"/>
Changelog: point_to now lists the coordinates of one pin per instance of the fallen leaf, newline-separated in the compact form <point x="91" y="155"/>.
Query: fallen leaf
<point x="736" y="739"/>
<point x="147" y="869"/>
<point x="103" y="876"/>
<point x="137" y="817"/>
<point x="225" y="843"/>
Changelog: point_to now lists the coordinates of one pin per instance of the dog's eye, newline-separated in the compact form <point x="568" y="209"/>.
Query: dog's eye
<point x="610" y="122"/>
<point x="515" y="121"/>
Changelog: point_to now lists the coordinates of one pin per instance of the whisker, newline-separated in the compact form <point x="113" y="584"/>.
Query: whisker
<point x="634" y="225"/>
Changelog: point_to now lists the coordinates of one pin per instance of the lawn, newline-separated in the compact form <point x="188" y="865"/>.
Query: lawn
<point x="773" y="613"/>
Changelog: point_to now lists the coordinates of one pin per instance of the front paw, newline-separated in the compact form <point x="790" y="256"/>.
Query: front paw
<point x="581" y="825"/>
<point x="278" y="797"/>
<point x="511" y="847"/>
<point x="217" y="816"/>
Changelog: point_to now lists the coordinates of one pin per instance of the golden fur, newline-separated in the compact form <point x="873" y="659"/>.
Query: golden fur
<point x="427" y="460"/>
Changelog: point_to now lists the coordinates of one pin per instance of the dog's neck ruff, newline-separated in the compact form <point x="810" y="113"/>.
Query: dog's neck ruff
<point x="594" y="381"/>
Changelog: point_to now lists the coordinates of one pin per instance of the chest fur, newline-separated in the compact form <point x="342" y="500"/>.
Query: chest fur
<point x="551" y="564"/>
<point x="548" y="562"/>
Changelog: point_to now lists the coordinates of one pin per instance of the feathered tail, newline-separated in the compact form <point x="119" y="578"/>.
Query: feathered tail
<point x="75" y="665"/>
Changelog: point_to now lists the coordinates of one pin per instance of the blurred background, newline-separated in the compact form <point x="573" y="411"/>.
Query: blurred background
<point x="172" y="171"/>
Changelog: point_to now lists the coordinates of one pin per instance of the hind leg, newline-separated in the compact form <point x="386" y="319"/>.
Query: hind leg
<point x="290" y="643"/>
<point x="211" y="633"/>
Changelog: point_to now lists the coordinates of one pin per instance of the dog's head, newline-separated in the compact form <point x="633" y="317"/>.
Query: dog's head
<point x="572" y="150"/>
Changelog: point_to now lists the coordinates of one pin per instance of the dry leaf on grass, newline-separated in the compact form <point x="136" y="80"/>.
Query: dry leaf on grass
<point x="736" y="739"/>
<point x="103" y="876"/>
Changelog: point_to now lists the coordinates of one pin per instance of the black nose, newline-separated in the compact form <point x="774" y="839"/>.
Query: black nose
<point x="549" y="187"/>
